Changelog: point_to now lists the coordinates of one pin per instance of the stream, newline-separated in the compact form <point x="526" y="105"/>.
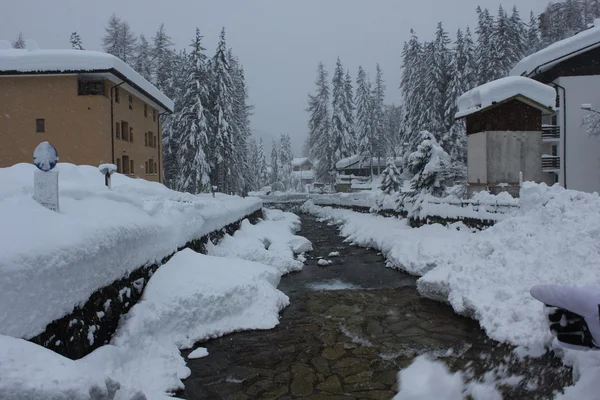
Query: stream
<point x="350" y="327"/>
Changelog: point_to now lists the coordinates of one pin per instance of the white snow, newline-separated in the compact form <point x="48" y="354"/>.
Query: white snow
<point x="323" y="262"/>
<point x="110" y="168"/>
<point x="271" y="242"/>
<point x="53" y="261"/>
<point x="334" y="254"/>
<point x="200" y="352"/>
<point x="427" y="379"/>
<point x="502" y="89"/>
<point x="191" y="298"/>
<point x="560" y="51"/>
<point x="47" y="61"/>
<point x="45" y="156"/>
<point x="299" y="161"/>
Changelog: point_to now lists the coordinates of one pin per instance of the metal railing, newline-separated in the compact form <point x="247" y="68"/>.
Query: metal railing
<point x="550" y="132"/>
<point x="550" y="162"/>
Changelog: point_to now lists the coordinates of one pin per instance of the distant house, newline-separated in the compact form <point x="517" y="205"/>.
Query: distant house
<point x="504" y="133"/>
<point x="572" y="67"/>
<point x="355" y="171"/>
<point x="302" y="169"/>
<point x="91" y="106"/>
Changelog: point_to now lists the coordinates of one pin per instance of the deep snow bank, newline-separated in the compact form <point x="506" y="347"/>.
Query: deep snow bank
<point x="192" y="297"/>
<point x="51" y="261"/>
<point x="413" y="250"/>
<point x="271" y="241"/>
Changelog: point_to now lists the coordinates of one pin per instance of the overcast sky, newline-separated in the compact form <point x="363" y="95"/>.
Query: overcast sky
<point x="279" y="42"/>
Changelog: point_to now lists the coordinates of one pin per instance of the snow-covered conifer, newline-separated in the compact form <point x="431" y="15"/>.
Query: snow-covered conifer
<point x="274" y="163"/>
<point x="319" y="127"/>
<point x="76" y="43"/>
<point x="162" y="55"/>
<point x="341" y="129"/>
<point x="19" y="42"/>
<point x="429" y="164"/>
<point x="364" y="129"/>
<point x="142" y="61"/>
<point x="391" y="181"/>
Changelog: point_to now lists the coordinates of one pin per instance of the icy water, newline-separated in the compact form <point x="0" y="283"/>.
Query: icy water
<point x="350" y="327"/>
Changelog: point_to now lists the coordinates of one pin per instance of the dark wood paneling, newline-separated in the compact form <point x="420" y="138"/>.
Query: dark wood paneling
<point x="513" y="116"/>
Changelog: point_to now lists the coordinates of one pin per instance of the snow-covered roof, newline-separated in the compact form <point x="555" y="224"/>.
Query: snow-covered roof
<point x="20" y="61"/>
<point x="357" y="162"/>
<point x="558" y="52"/>
<point x="497" y="91"/>
<point x="299" y="161"/>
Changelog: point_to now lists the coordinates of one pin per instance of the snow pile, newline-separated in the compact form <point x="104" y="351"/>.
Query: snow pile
<point x="483" y="207"/>
<point x="324" y="263"/>
<point x="551" y="239"/>
<point x="19" y="61"/>
<point x="191" y="298"/>
<point x="558" y="52"/>
<point x="271" y="242"/>
<point x="200" y="352"/>
<point x="53" y="261"/>
<point x="360" y="199"/>
<point x="413" y="250"/>
<point x="426" y="379"/>
<point x="503" y="89"/>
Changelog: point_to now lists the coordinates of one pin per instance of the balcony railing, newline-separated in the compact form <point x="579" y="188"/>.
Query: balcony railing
<point x="550" y="162"/>
<point x="550" y="132"/>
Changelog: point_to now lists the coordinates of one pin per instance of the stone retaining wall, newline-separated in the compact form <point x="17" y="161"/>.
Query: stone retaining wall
<point x="94" y="323"/>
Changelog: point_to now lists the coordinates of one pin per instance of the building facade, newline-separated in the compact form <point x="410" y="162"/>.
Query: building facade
<point x="93" y="113"/>
<point x="571" y="66"/>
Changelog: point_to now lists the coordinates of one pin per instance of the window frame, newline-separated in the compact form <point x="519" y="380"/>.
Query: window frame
<point x="130" y="101"/>
<point x="40" y="125"/>
<point x="90" y="87"/>
<point x="117" y="95"/>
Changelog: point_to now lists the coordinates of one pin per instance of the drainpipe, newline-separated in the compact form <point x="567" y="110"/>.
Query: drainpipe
<point x="112" y="122"/>
<point x="564" y="110"/>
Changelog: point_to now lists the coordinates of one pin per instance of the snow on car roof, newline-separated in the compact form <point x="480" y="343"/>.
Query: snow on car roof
<point x="20" y="61"/>
<point x="558" y="52"/>
<point x="487" y="95"/>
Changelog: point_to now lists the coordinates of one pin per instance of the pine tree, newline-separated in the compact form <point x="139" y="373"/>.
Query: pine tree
<point x="380" y="144"/>
<point x="341" y="130"/>
<point x="483" y="51"/>
<point x="119" y="40"/>
<point x="19" y="42"/>
<point x="394" y="129"/>
<point x="222" y="126"/>
<point x="162" y="55"/>
<point x="429" y="164"/>
<point x="253" y="178"/>
<point x="533" y="43"/>
<point x="349" y="110"/>
<point x="76" y="43"/>
<point x="518" y="37"/>
<point x="413" y="88"/>
<point x="319" y="127"/>
<point x="364" y="128"/>
<point x="274" y="163"/>
<point x="191" y="122"/>
<point x="391" y="181"/>
<point x="241" y="126"/>
<point x="437" y="80"/>
<point x="504" y="51"/>
<point x="263" y="173"/>
<point x="285" y="161"/>
<point x="142" y="61"/>
<point x="591" y="10"/>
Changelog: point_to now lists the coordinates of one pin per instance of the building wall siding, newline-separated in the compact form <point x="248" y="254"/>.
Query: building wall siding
<point x="78" y="126"/>
<point x="513" y="115"/>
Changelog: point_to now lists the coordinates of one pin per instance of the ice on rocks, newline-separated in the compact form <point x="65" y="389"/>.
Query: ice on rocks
<point x="200" y="352"/>
<point x="323" y="262"/>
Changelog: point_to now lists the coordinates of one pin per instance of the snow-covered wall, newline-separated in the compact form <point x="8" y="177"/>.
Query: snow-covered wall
<point x="53" y="261"/>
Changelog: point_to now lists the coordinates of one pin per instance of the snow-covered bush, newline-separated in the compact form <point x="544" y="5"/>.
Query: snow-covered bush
<point x="430" y="165"/>
<point x="391" y="181"/>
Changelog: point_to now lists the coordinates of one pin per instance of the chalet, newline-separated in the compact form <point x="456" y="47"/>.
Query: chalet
<point x="572" y="68"/>
<point x="354" y="172"/>
<point x="504" y="133"/>
<point x="91" y="106"/>
<point x="302" y="169"/>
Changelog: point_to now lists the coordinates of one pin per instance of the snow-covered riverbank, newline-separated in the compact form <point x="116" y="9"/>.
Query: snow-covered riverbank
<point x="553" y="238"/>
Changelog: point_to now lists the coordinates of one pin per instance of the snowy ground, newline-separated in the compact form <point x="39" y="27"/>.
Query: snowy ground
<point x="552" y="238"/>
<point x="53" y="261"/>
<point x="191" y="298"/>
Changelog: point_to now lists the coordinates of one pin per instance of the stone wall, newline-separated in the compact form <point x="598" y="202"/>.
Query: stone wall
<point x="93" y="324"/>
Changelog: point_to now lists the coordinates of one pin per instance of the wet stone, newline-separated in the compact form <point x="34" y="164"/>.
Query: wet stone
<point x="333" y="353"/>
<point x="321" y="364"/>
<point x="331" y="385"/>
<point x="303" y="379"/>
<point x="360" y="377"/>
<point x="350" y="366"/>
